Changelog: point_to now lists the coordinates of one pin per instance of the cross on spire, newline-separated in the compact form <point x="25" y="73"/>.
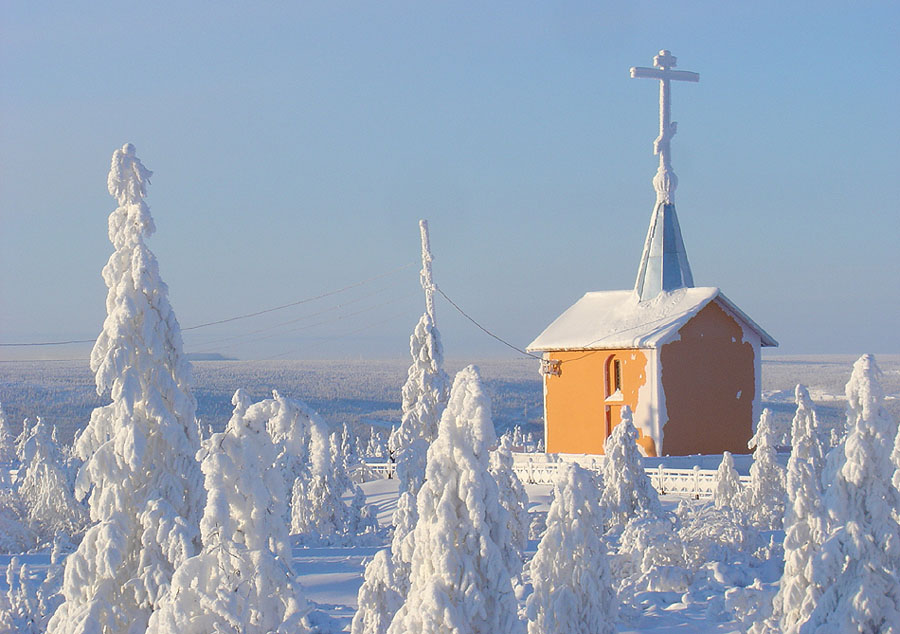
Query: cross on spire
<point x="665" y="180"/>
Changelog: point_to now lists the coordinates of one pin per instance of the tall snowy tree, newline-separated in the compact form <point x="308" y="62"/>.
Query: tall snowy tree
<point x="764" y="495"/>
<point x="139" y="451"/>
<point x="425" y="392"/>
<point x="854" y="585"/>
<point x="804" y="520"/>
<point x="242" y="580"/>
<point x="44" y="489"/>
<point x="513" y="498"/>
<point x="460" y="581"/>
<point x="627" y="491"/>
<point x="727" y="484"/>
<point x="573" y="587"/>
<point x="7" y="442"/>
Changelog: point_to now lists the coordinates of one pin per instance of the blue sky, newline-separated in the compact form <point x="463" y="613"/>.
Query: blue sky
<point x="295" y="145"/>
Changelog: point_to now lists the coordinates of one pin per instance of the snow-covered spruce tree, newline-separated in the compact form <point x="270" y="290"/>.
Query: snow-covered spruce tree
<point x="573" y="587"/>
<point x="289" y="425"/>
<point x="7" y="442"/>
<point x="139" y="451"/>
<point x="513" y="498"/>
<point x="727" y="484"/>
<point x="242" y="580"/>
<point x="424" y="397"/>
<point x="317" y="510"/>
<point x="764" y="495"/>
<point x="386" y="580"/>
<point x="378" y="598"/>
<point x="340" y="463"/>
<point x="459" y="580"/>
<point x="22" y="438"/>
<point x="804" y="520"/>
<point x="854" y="586"/>
<point x="627" y="491"/>
<point x="44" y="489"/>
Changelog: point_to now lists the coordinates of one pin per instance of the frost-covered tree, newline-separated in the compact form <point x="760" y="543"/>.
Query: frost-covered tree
<point x="386" y="580"/>
<point x="459" y="580"/>
<point x="764" y="495"/>
<point x="854" y="586"/>
<point x="378" y="598"/>
<point x="242" y="580"/>
<point x="627" y="491"/>
<point x="573" y="587"/>
<point x="140" y="471"/>
<point x="44" y="489"/>
<point x="7" y="442"/>
<point x="289" y="424"/>
<point x="804" y="519"/>
<point x="22" y="438"/>
<point x="513" y="498"/>
<point x="727" y="483"/>
<point x="32" y="596"/>
<point x="426" y="390"/>
<point x="424" y="397"/>
<point x="317" y="510"/>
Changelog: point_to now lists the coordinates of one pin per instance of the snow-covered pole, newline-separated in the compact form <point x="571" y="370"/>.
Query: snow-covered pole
<point x="425" y="275"/>
<point x="665" y="180"/>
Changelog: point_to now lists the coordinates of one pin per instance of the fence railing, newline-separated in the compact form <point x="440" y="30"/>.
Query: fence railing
<point x="695" y="483"/>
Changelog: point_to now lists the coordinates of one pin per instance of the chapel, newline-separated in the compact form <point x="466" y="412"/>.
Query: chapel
<point x="684" y="359"/>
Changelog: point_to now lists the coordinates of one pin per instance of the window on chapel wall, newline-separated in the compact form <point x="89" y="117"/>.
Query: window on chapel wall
<point x="613" y="375"/>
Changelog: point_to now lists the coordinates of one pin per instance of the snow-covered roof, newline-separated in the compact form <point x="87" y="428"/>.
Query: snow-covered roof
<point x="617" y="319"/>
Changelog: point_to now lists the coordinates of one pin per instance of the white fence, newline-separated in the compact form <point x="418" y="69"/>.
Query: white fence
<point x="537" y="469"/>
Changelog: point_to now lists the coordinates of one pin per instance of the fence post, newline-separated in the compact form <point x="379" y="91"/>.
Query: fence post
<point x="696" y="482"/>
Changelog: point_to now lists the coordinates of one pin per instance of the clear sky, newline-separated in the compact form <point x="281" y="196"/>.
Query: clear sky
<point x="295" y="145"/>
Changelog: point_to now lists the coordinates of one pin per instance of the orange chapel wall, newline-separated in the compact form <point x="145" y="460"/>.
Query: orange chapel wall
<point x="709" y="381"/>
<point x="578" y="414"/>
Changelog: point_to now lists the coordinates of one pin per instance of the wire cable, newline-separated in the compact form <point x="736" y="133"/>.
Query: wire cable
<point x="235" y="318"/>
<point x="482" y="328"/>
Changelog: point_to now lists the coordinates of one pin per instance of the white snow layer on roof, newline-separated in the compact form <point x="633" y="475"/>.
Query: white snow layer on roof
<point x="616" y="319"/>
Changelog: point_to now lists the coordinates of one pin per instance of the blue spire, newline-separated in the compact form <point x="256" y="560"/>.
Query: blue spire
<point x="664" y="263"/>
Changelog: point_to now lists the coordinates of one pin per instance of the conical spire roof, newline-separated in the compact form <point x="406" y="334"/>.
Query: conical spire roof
<point x="664" y="263"/>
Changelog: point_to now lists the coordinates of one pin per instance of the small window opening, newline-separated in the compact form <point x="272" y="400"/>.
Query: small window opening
<point x="617" y="375"/>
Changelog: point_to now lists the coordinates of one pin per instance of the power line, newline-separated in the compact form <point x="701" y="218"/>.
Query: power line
<point x="302" y="301"/>
<point x="483" y="329"/>
<point x="230" y="319"/>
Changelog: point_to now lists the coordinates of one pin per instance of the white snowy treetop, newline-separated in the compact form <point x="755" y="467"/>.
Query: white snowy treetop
<point x="425" y="276"/>
<point x="139" y="451"/>
<point x="627" y="491"/>
<point x="764" y="495"/>
<point x="665" y="180"/>
<point x="459" y="580"/>
<point x="573" y="588"/>
<point x="804" y="520"/>
<point x="424" y="397"/>
<point x="854" y="585"/>
<point x="242" y="580"/>
<point x="726" y="483"/>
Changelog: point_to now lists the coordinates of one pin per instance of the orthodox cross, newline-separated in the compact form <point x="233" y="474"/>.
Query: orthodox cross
<point x="665" y="180"/>
<point x="425" y="274"/>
